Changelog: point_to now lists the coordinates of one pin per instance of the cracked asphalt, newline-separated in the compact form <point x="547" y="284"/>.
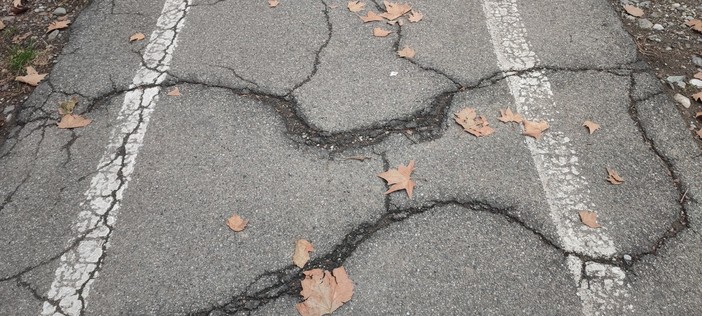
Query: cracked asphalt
<point x="126" y="216"/>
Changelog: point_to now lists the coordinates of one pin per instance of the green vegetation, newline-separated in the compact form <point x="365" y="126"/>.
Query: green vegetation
<point x="21" y="56"/>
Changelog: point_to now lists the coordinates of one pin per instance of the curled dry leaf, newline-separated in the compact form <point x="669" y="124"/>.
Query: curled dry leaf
<point x="695" y="24"/>
<point x="355" y="6"/>
<point x="613" y="177"/>
<point x="534" y="129"/>
<point x="395" y="10"/>
<point x="302" y="252"/>
<point x="699" y="133"/>
<point x="273" y="3"/>
<point x="66" y="107"/>
<point x="73" y="121"/>
<point x="406" y="52"/>
<point x="476" y="125"/>
<point x="174" y="93"/>
<point x="58" y="25"/>
<point x="136" y="37"/>
<point x="589" y="218"/>
<point x="508" y="116"/>
<point x="697" y="96"/>
<point x="632" y="10"/>
<point x="591" y="126"/>
<point x="379" y="32"/>
<point x="698" y="114"/>
<point x="18" y="38"/>
<point x="2" y="25"/>
<point x="236" y="223"/>
<point x="399" y="179"/>
<point x="32" y="78"/>
<point x="18" y="8"/>
<point x="323" y="292"/>
<point x="415" y="16"/>
<point x="371" y="17"/>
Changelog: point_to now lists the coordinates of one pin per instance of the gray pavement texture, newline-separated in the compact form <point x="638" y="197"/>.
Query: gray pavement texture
<point x="275" y="101"/>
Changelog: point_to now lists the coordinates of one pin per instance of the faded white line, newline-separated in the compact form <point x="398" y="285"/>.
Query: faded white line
<point x="79" y="266"/>
<point x="556" y="162"/>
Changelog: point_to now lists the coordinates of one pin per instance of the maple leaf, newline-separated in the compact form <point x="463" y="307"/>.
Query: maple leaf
<point x="534" y="129"/>
<point x="697" y="96"/>
<point x="32" y="78"/>
<point x="73" y="121"/>
<point x="323" y="292"/>
<point x="415" y="16"/>
<point x="273" y="3"/>
<point x="395" y="10"/>
<point x="632" y="10"/>
<point x="591" y="126"/>
<point x="355" y="6"/>
<point x="379" y="32"/>
<point x="236" y="223"/>
<point x="302" y="252"/>
<point x="589" y="218"/>
<point x="371" y="17"/>
<point x="174" y="93"/>
<point x="66" y="107"/>
<point x="472" y="123"/>
<point x="406" y="52"/>
<point x="613" y="177"/>
<point x="136" y="37"/>
<point x="399" y="179"/>
<point x="695" y="25"/>
<point x="57" y="25"/>
<point x="508" y="116"/>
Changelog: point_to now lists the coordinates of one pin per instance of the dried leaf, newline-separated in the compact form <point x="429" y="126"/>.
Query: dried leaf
<point x="302" y="252"/>
<point x="697" y="96"/>
<point x="323" y="292"/>
<point x="32" y="78"/>
<point x="399" y="179"/>
<point x="589" y="218"/>
<point x="18" y="38"/>
<point x="406" y="52"/>
<point x="236" y="223"/>
<point x="57" y="25"/>
<point x="18" y="8"/>
<point x="534" y="129"/>
<point x="699" y="133"/>
<point x="379" y="32"/>
<point x="613" y="177"/>
<point x="174" y="93"/>
<point x="632" y="10"/>
<point x="698" y="114"/>
<point x="273" y="3"/>
<point x="371" y="17"/>
<point x="66" y="107"/>
<point x="356" y="6"/>
<point x="476" y="125"/>
<point x="698" y="75"/>
<point x="16" y="3"/>
<point x="695" y="25"/>
<point x="395" y="10"/>
<point x="508" y="116"/>
<point x="415" y="16"/>
<point x="136" y="37"/>
<point x="73" y="121"/>
<point x="2" y="25"/>
<point x="591" y="126"/>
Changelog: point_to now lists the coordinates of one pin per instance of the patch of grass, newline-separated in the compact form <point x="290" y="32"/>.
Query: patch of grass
<point x="21" y="56"/>
<point x="8" y="32"/>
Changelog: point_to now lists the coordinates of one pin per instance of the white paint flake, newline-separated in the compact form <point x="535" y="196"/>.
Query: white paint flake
<point x="79" y="266"/>
<point x="556" y="162"/>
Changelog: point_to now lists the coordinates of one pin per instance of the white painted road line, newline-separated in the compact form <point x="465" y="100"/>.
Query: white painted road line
<point x="556" y="162"/>
<point x="79" y="266"/>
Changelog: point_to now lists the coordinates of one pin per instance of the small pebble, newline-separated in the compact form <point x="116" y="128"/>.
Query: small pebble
<point x="696" y="83"/>
<point x="627" y="257"/>
<point x="52" y="36"/>
<point x="682" y="100"/>
<point x="697" y="60"/>
<point x="645" y="24"/>
<point x="60" y="11"/>
<point x="658" y="27"/>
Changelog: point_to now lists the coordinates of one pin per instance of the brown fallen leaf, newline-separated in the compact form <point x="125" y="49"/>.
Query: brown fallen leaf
<point x="58" y="25"/>
<point x="136" y="37"/>
<point x="589" y="218"/>
<point x="32" y="78"/>
<point x="698" y="75"/>
<point x="591" y="126"/>
<point x="174" y="93"/>
<point x="406" y="52"/>
<point x="395" y="10"/>
<point x="66" y="107"/>
<point x="18" y="8"/>
<point x="697" y="96"/>
<point x="399" y="179"/>
<point x="371" y="17"/>
<point x="323" y="292"/>
<point x="302" y="252"/>
<point x="534" y="129"/>
<point x="476" y="125"/>
<point x="632" y="10"/>
<point x="236" y="223"/>
<point x="355" y="6"/>
<point x="508" y="116"/>
<point x="613" y="177"/>
<point x="379" y="32"/>
<point x="16" y="3"/>
<point x="415" y="16"/>
<point x="2" y="25"/>
<point x="18" y="38"/>
<point x="695" y="25"/>
<point x="698" y="114"/>
<point x="273" y="3"/>
<point x="699" y="133"/>
<point x="73" y="121"/>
